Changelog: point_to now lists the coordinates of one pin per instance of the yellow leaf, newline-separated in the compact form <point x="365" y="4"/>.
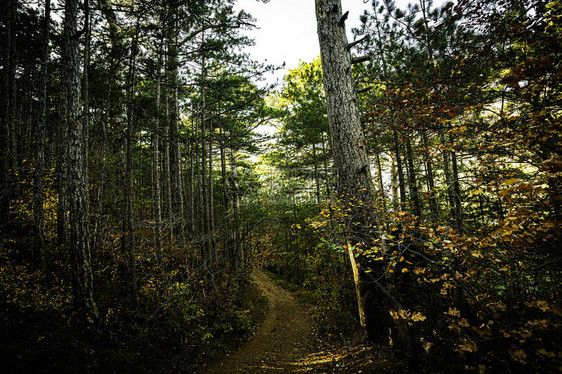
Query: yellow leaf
<point x="453" y="312"/>
<point x="417" y="316"/>
<point x="543" y="305"/>
<point x="518" y="354"/>
<point x="544" y="352"/>
<point x="509" y="182"/>
<point x="468" y="346"/>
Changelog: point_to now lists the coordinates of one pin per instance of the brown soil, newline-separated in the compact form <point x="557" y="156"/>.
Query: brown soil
<point x="285" y="343"/>
<point x="281" y="343"/>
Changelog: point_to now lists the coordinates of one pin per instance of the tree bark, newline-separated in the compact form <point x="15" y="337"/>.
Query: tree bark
<point x="7" y="98"/>
<point x="433" y="207"/>
<point x="79" y="249"/>
<point x="456" y="192"/>
<point x="380" y="179"/>
<point x="394" y="182"/>
<point x="156" y="199"/>
<point x="348" y="142"/>
<point x="354" y="181"/>
<point x="178" y="214"/>
<point x="38" y="197"/>
<point x="414" y="193"/>
<point x="128" y="238"/>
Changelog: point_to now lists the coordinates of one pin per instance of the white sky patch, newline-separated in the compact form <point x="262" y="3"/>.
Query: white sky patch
<point x="287" y="29"/>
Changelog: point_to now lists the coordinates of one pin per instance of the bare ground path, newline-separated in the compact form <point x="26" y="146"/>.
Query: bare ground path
<point x="285" y="344"/>
<point x="282" y="343"/>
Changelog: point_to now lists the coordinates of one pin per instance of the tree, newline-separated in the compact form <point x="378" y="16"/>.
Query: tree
<point x="38" y="194"/>
<point x="81" y="263"/>
<point x="353" y="172"/>
<point x="304" y="125"/>
<point x="348" y="143"/>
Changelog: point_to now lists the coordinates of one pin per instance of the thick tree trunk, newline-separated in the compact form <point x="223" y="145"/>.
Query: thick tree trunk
<point x="348" y="142"/>
<point x="354" y="182"/>
<point x="79" y="250"/>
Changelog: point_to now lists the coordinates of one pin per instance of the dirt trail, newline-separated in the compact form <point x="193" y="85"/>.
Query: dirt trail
<point x="281" y="344"/>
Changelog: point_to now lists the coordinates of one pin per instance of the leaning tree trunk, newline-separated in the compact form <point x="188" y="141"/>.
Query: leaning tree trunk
<point x="351" y="163"/>
<point x="79" y="248"/>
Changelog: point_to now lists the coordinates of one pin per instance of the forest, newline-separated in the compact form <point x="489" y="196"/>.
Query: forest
<point x="392" y="206"/>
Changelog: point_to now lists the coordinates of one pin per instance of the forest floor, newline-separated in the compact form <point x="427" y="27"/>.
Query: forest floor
<point x="285" y="342"/>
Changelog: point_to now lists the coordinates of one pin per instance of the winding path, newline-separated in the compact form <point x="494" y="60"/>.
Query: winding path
<point x="281" y="344"/>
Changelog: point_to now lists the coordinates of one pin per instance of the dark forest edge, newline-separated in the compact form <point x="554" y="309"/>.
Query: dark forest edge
<point x="137" y="194"/>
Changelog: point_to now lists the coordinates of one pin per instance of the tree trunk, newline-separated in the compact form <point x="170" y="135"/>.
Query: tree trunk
<point x="238" y="249"/>
<point x="394" y="182"/>
<point x="433" y="207"/>
<point x="178" y="214"/>
<point x="7" y="83"/>
<point x="128" y="239"/>
<point x="399" y="168"/>
<point x="448" y="181"/>
<point x="38" y="199"/>
<point x="348" y="143"/>
<point x="156" y="200"/>
<point x="61" y="172"/>
<point x="414" y="193"/>
<point x="316" y="176"/>
<point x="380" y="179"/>
<point x="211" y="202"/>
<point x="79" y="250"/>
<point x="457" y="193"/>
